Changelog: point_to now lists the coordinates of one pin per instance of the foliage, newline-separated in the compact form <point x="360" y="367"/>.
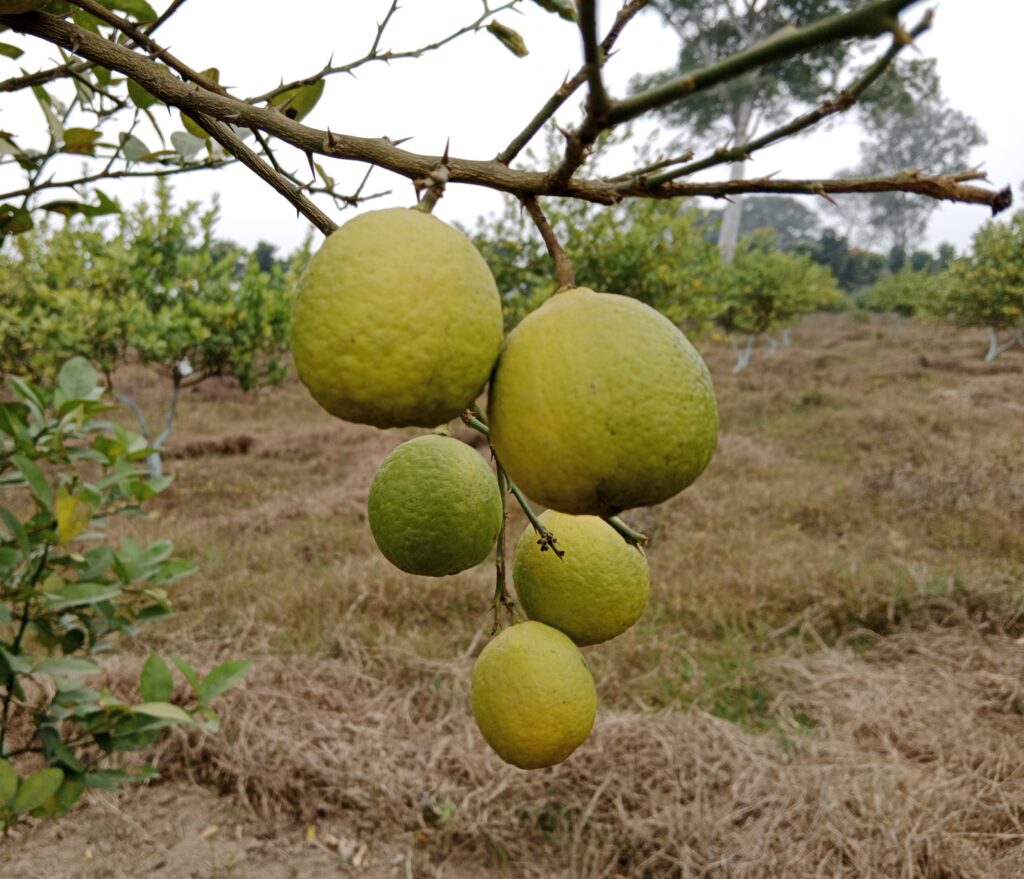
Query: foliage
<point x="909" y="126"/>
<point x="159" y="289"/>
<point x="766" y="289"/>
<point x="651" y="250"/>
<point x="792" y="221"/>
<point x="907" y="292"/>
<point x="987" y="288"/>
<point x="853" y="267"/>
<point x="66" y="592"/>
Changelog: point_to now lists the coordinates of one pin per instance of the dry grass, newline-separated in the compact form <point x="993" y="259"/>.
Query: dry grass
<point x="827" y="682"/>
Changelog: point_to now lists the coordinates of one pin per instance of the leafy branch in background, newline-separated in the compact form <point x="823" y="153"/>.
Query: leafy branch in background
<point x="111" y="43"/>
<point x="159" y="290"/>
<point x="65" y="592"/>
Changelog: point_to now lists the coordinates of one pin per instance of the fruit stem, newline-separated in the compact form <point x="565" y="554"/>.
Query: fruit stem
<point x="501" y="596"/>
<point x="565" y="273"/>
<point x="432" y="186"/>
<point x="474" y="418"/>
<point x="636" y="538"/>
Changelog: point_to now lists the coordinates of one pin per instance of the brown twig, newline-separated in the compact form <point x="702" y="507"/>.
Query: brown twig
<point x="227" y="139"/>
<point x="565" y="274"/>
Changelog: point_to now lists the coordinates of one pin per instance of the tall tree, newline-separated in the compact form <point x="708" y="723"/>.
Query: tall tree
<point x="909" y="126"/>
<point x="733" y="111"/>
<point x="793" y="221"/>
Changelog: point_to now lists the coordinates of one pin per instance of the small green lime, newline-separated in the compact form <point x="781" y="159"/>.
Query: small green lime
<point x="434" y="506"/>
<point x="594" y="592"/>
<point x="533" y="696"/>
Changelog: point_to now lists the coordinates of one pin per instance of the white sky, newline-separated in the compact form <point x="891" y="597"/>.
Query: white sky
<point x="480" y="95"/>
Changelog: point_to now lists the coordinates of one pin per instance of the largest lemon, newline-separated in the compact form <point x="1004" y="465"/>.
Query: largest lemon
<point x="397" y="321"/>
<point x="599" y="403"/>
<point x="533" y="696"/>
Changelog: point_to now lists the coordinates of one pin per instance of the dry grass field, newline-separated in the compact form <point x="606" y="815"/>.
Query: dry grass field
<point x="828" y="682"/>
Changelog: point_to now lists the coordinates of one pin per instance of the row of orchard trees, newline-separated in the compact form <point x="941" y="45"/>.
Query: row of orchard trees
<point x="157" y="288"/>
<point x="665" y="255"/>
<point x="983" y="289"/>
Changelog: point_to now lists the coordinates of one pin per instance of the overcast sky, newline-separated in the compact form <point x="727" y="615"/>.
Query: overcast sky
<point x="480" y="95"/>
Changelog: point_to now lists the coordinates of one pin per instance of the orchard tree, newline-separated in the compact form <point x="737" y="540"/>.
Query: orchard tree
<point x="987" y="288"/>
<point x="910" y="127"/>
<point x="611" y="437"/>
<point x="906" y="293"/>
<point x="160" y="290"/>
<point x="766" y="290"/>
<point x="654" y="249"/>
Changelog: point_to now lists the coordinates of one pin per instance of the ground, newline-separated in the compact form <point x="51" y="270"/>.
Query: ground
<point x="828" y="682"/>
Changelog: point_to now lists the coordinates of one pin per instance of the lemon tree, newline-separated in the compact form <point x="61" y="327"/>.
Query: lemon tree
<point x="397" y="321"/>
<point x="435" y="507"/>
<point x="595" y="591"/>
<point x="533" y="696"/>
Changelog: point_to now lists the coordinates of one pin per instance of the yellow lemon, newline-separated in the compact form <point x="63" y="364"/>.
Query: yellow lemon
<point x="596" y="591"/>
<point x="397" y="321"/>
<point x="533" y="696"/>
<point x="434" y="507"/>
<point x="599" y="403"/>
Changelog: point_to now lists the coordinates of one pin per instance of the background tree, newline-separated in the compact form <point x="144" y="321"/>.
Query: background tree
<point x="654" y="251"/>
<point x="909" y="126"/>
<point x="766" y="290"/>
<point x="987" y="288"/>
<point x="906" y="293"/>
<point x="854" y="268"/>
<point x="159" y="290"/>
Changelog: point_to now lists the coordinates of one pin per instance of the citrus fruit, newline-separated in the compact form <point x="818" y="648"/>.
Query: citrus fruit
<point x="596" y="591"/>
<point x="434" y="506"/>
<point x="599" y="403"/>
<point x="533" y="696"/>
<point x="397" y="321"/>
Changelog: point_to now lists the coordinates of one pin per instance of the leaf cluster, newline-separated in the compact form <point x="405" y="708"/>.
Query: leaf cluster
<point x="160" y="290"/>
<point x="987" y="288"/>
<point x="66" y="592"/>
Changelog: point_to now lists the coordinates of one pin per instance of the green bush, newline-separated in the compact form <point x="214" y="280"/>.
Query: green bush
<point x="66" y="593"/>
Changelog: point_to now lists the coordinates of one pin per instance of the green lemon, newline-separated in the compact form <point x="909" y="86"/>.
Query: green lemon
<point x="434" y="506"/>
<point x="599" y="403"/>
<point x="397" y="321"/>
<point x="596" y="591"/>
<point x="533" y="696"/>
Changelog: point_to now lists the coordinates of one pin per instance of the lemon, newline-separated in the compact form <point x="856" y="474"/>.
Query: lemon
<point x="434" y="506"/>
<point x="533" y="696"/>
<point x="596" y="591"/>
<point x="397" y="321"/>
<point x="599" y="403"/>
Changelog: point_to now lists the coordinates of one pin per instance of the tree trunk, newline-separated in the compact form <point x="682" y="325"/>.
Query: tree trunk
<point x="729" y="232"/>
<point x="743" y="357"/>
<point x="994" y="346"/>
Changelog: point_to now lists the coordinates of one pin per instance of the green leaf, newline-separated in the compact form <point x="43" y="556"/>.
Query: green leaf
<point x="155" y="682"/>
<point x="222" y="678"/>
<point x="17" y="530"/>
<point x="53" y="122"/>
<point x="509" y="38"/>
<point x="187" y="145"/>
<point x="11" y="51"/>
<point x="65" y="667"/>
<point x="37" y="789"/>
<point x="163" y="711"/>
<point x="133" y="148"/>
<point x="80" y="594"/>
<point x="70" y="793"/>
<point x="77" y="378"/>
<point x="81" y="140"/>
<point x="563" y="8"/>
<point x="8" y="781"/>
<point x="297" y="103"/>
<point x="140" y="97"/>
<point x="140" y="10"/>
<point x="14" y="220"/>
<point x="187" y="671"/>
<point x="38" y="482"/>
